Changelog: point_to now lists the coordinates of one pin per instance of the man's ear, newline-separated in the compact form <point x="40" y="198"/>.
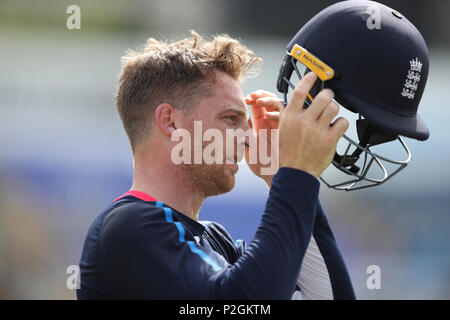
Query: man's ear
<point x="165" y="118"/>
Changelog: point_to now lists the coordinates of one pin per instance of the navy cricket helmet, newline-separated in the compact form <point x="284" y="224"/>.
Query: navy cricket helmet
<point x="376" y="62"/>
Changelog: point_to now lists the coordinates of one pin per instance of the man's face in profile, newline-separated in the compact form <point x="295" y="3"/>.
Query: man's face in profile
<point x="222" y="109"/>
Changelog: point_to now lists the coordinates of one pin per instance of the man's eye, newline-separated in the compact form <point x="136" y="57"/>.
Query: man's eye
<point x="231" y="118"/>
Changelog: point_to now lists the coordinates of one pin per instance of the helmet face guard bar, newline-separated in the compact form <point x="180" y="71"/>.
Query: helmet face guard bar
<point x="369" y="135"/>
<point x="360" y="178"/>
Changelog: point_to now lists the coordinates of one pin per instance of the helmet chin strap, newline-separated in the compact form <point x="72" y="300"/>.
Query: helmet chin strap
<point x="369" y="135"/>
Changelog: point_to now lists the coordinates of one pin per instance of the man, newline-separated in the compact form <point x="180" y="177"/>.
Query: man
<point x="150" y="244"/>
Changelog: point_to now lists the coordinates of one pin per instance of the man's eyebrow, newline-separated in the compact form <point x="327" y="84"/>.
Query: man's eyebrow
<point x="237" y="110"/>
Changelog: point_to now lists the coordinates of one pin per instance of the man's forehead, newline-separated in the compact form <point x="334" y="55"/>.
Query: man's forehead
<point x="234" y="104"/>
<point x="226" y="95"/>
<point x="225" y="101"/>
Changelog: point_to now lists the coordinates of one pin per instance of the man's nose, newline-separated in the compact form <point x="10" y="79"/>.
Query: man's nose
<point x="247" y="124"/>
<point x="248" y="130"/>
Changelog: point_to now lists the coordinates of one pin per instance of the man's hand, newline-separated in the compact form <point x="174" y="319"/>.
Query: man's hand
<point x="306" y="139"/>
<point x="266" y="113"/>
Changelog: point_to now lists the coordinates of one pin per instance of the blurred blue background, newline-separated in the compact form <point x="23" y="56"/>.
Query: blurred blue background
<point x="64" y="155"/>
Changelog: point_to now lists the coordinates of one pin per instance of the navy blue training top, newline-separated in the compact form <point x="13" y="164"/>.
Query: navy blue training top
<point x="140" y="248"/>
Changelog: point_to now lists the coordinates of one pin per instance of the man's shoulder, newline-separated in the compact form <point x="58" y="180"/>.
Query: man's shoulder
<point x="128" y="214"/>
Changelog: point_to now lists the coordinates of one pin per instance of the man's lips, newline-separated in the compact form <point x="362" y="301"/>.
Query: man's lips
<point x="229" y="160"/>
<point x="233" y="163"/>
<point x="232" y="160"/>
<point x="236" y="159"/>
<point x="238" y="156"/>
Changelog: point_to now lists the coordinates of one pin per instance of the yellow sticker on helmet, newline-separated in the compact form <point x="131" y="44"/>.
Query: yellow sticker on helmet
<point x="323" y="71"/>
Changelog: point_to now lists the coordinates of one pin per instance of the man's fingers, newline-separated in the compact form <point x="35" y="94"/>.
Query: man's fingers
<point x="252" y="97"/>
<point x="320" y="103"/>
<point x="261" y="93"/>
<point x="300" y="92"/>
<point x="258" y="113"/>
<point x="339" y="127"/>
<point x="328" y="114"/>
<point x="273" y="115"/>
<point x="269" y="102"/>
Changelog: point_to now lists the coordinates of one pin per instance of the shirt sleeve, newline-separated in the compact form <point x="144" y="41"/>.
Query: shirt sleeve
<point x="339" y="277"/>
<point x="147" y="254"/>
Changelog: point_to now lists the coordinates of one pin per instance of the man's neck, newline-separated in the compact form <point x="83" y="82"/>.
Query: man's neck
<point x="168" y="184"/>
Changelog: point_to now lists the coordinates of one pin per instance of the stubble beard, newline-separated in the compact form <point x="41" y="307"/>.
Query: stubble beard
<point x="209" y="179"/>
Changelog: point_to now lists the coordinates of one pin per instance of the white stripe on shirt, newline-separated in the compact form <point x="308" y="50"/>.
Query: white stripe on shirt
<point x="314" y="281"/>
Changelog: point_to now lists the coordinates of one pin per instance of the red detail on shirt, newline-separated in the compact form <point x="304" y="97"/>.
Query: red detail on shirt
<point x="138" y="194"/>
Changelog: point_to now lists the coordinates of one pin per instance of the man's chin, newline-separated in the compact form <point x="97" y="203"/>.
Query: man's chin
<point x="212" y="179"/>
<point x="231" y="179"/>
<point x="234" y="167"/>
<point x="225" y="183"/>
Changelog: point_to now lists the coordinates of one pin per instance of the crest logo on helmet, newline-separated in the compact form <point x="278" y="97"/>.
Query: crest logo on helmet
<point x="412" y="79"/>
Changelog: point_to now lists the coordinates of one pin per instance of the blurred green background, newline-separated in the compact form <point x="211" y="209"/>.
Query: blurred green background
<point x="64" y="155"/>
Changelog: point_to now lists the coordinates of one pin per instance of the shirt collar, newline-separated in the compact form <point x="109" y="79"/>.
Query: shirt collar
<point x="195" y="226"/>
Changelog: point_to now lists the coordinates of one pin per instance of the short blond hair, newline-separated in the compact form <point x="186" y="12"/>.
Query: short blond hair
<point x="177" y="73"/>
